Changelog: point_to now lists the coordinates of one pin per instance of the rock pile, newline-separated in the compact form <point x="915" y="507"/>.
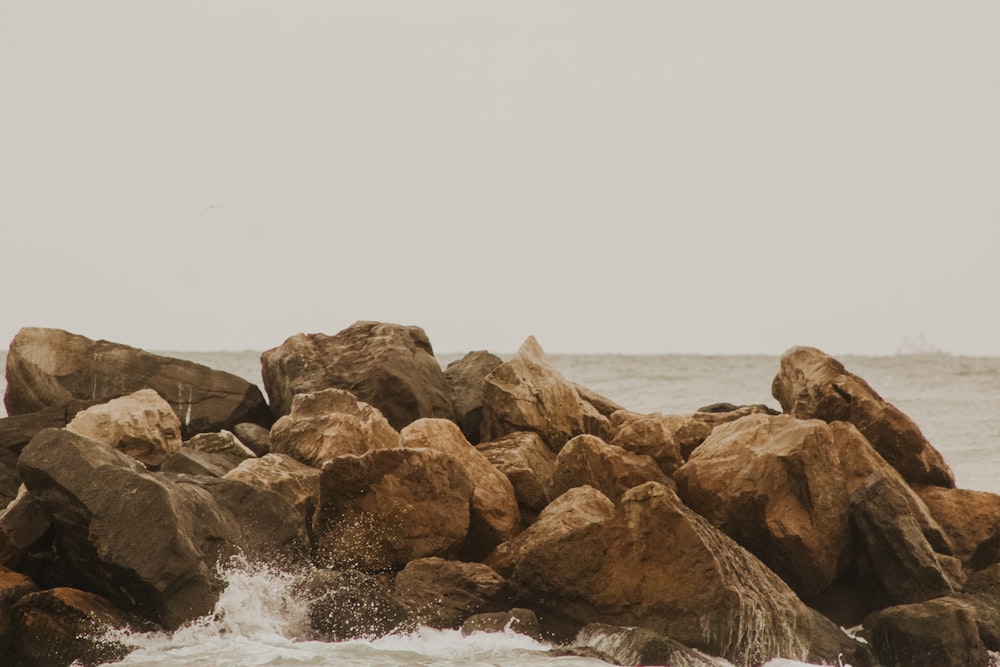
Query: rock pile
<point x="491" y="494"/>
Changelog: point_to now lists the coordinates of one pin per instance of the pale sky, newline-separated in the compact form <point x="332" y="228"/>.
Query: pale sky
<point x="701" y="176"/>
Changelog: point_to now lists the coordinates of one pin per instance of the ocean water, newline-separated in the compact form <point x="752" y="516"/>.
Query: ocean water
<point x="955" y="400"/>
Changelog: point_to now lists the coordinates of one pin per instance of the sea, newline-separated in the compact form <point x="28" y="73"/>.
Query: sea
<point x="954" y="399"/>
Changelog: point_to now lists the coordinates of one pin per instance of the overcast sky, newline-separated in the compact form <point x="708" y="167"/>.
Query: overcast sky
<point x="707" y="176"/>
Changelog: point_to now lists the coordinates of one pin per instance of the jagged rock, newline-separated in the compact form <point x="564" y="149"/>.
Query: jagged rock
<point x="443" y="593"/>
<point x="222" y="442"/>
<point x="969" y="518"/>
<point x="936" y="633"/>
<point x="330" y="423"/>
<point x="296" y="482"/>
<point x="50" y="368"/>
<point x="602" y="404"/>
<point x="654" y="563"/>
<point x="13" y="587"/>
<point x="528" y="394"/>
<point x="722" y="408"/>
<point x="494" y="515"/>
<point x="23" y="524"/>
<point x="194" y="462"/>
<point x="813" y="385"/>
<point x="254" y="436"/>
<point x="60" y="626"/>
<point x="639" y="646"/>
<point x="388" y="366"/>
<point x="142" y="425"/>
<point x="465" y="380"/>
<point x="347" y="604"/>
<point x="151" y="541"/>
<point x="387" y="507"/>
<point x="527" y="463"/>
<point x="521" y="621"/>
<point x="588" y="460"/>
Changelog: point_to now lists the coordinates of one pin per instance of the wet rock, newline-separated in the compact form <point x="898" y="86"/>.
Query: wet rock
<point x="528" y="394"/>
<point x="295" y="482"/>
<point x="639" y="646"/>
<point x="521" y="621"/>
<point x="465" y="378"/>
<point x="527" y="463"/>
<point x="50" y="368"/>
<point x="444" y="593"/>
<point x="330" y="423"/>
<point x="969" y="518"/>
<point x="347" y="604"/>
<point x="588" y="460"/>
<point x="388" y="366"/>
<point x="254" y="436"/>
<point x="387" y="507"/>
<point x="142" y="425"/>
<point x="813" y="385"/>
<point x="936" y="633"/>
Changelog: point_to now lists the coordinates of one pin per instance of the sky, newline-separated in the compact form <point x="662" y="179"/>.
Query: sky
<point x="667" y="176"/>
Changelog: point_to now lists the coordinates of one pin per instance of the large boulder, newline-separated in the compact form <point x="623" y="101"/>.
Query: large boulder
<point x="387" y="507"/>
<point x="465" y="381"/>
<point x="813" y="385"/>
<point x="528" y="394"/>
<point x="527" y="463"/>
<point x="653" y="563"/>
<point x="296" y="482"/>
<point x="330" y="423"/>
<point x="970" y="518"/>
<point x="586" y="460"/>
<point x="444" y="593"/>
<point x="389" y="366"/>
<point x="935" y="633"/>
<point x="150" y="542"/>
<point x="142" y="425"/>
<point x="49" y="368"/>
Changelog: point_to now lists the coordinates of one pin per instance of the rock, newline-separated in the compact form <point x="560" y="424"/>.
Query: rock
<point x="194" y="462"/>
<point x="13" y="587"/>
<point x="254" y="436"/>
<point x="602" y="404"/>
<point x="17" y="431"/>
<point x="142" y="425"/>
<point x="62" y="626"/>
<point x="937" y="633"/>
<point x="639" y="646"/>
<point x="347" y="604"/>
<point x="295" y="482"/>
<point x="654" y="563"/>
<point x="443" y="593"/>
<point x="494" y="516"/>
<point x="969" y="518"/>
<point x="723" y="408"/>
<point x="526" y="462"/>
<point x="388" y="366"/>
<point x="222" y="442"/>
<point x="9" y="482"/>
<point x="521" y="621"/>
<point x="380" y="510"/>
<point x="588" y="460"/>
<point x="23" y="524"/>
<point x="330" y="423"/>
<point x="528" y="394"/>
<point x="151" y="541"/>
<point x="49" y="368"/>
<point x="465" y="381"/>
<point x="814" y="385"/>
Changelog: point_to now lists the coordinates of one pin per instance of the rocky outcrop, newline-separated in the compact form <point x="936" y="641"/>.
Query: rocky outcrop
<point x="527" y="463"/>
<point x="346" y="604"/>
<point x="142" y="425"/>
<point x="150" y="541"/>
<point x="638" y="646"/>
<point x="813" y="385"/>
<point x="528" y="394"/>
<point x="937" y="633"/>
<point x="295" y="482"/>
<point x="385" y="508"/>
<point x="465" y="378"/>
<point x="971" y="519"/>
<point x="586" y="460"/>
<point x="330" y="423"/>
<point x="444" y="593"/>
<point x="388" y="366"/>
<point x="50" y="368"/>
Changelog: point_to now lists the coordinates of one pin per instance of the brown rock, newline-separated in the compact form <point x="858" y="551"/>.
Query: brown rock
<point x="639" y="646"/>
<point x="222" y="442"/>
<point x="347" y="604"/>
<point x="814" y="385"/>
<point x="23" y="524"/>
<point x="387" y="507"/>
<point x="142" y="425"/>
<point x="465" y="378"/>
<point x="295" y="482"/>
<point x="521" y="621"/>
<point x="17" y="431"/>
<point x="13" y="587"/>
<point x="969" y="518"/>
<point x="388" y="366"/>
<point x="937" y="633"/>
<point x="588" y="460"/>
<point x="528" y="394"/>
<point x="330" y="423"/>
<point x="254" y="436"/>
<point x="527" y="463"/>
<point x="602" y="404"/>
<point x="444" y="593"/>
<point x="49" y="368"/>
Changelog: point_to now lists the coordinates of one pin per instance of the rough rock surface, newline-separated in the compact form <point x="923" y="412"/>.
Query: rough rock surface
<point x="385" y="508"/>
<point x="586" y="460"/>
<point x="528" y="394"/>
<point x="970" y="518"/>
<point x="13" y="587"/>
<point x="150" y="541"/>
<point x="23" y="524"/>
<point x="639" y="646"/>
<point x="527" y="463"/>
<point x="444" y="593"/>
<point x="389" y="366"/>
<point x="347" y="604"/>
<point x="937" y="633"/>
<point x="813" y="385"/>
<point x="521" y="621"/>
<point x="254" y="436"/>
<point x="142" y="425"/>
<point x="296" y="482"/>
<point x="465" y="380"/>
<point x="222" y="442"/>
<point x="17" y="431"/>
<point x="494" y="515"/>
<point x="330" y="423"/>
<point x="193" y="462"/>
<point x="49" y="368"/>
<point x="654" y="563"/>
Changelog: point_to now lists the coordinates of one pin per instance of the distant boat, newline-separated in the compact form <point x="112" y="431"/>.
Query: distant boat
<point x="919" y="347"/>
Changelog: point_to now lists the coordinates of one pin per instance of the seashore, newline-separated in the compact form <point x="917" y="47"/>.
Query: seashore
<point x="406" y="496"/>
